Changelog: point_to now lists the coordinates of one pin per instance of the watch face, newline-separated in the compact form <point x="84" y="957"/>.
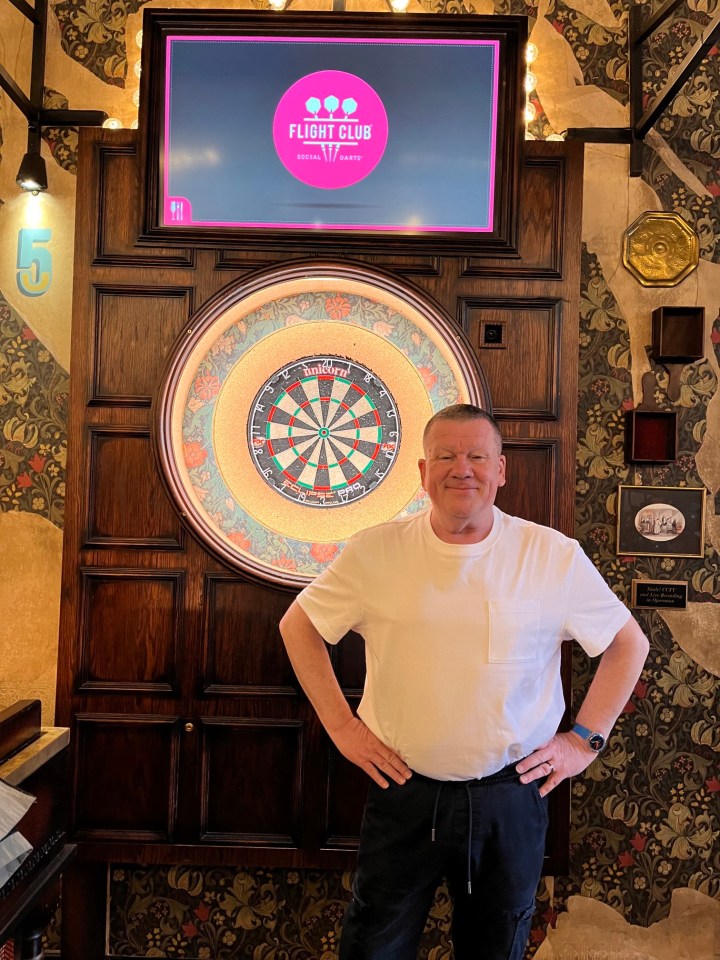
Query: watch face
<point x="292" y="410"/>
<point x="596" y="742"/>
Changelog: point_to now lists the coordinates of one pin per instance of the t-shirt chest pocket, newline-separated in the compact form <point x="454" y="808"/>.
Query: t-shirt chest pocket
<point x="513" y="631"/>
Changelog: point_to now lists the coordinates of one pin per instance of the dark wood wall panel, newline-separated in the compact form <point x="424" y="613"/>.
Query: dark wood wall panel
<point x="252" y="781"/>
<point x="347" y="788"/>
<point x="129" y="633"/>
<point x="243" y="649"/>
<point x="518" y="334"/>
<point x="126" y="504"/>
<point x="348" y="659"/>
<point x="134" y="330"/>
<point x="119" y="210"/>
<point x="531" y="492"/>
<point x="540" y="240"/>
<point x="409" y="265"/>
<point x="126" y="773"/>
<point x="191" y="736"/>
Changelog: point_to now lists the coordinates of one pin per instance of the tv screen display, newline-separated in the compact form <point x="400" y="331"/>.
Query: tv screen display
<point x="273" y="126"/>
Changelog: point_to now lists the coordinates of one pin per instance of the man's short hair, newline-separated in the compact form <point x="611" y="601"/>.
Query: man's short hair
<point x="463" y="411"/>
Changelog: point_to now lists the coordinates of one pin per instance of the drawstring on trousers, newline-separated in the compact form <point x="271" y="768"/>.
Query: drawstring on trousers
<point x="433" y="831"/>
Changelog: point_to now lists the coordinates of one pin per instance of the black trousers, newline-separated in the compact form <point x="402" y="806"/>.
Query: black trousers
<point x="485" y="837"/>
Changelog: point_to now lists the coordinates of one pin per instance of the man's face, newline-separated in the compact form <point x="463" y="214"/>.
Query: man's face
<point x="461" y="472"/>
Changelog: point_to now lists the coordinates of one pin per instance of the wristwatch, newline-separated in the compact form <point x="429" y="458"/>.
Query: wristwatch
<point x="596" y="741"/>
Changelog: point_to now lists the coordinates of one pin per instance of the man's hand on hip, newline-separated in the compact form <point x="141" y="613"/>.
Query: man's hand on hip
<point x="360" y="745"/>
<point x="564" y="756"/>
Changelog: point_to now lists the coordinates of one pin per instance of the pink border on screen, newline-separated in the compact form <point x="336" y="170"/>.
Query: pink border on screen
<point x="396" y="228"/>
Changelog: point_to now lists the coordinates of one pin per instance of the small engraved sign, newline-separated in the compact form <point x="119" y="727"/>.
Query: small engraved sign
<point x="654" y="594"/>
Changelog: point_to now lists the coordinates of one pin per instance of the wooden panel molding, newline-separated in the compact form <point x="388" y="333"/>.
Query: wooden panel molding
<point x="129" y="630"/>
<point x="126" y="506"/>
<point x="428" y="265"/>
<point x="118" y="224"/>
<point x="251" y="781"/>
<point x="133" y="330"/>
<point x="531" y="491"/>
<point x="528" y="329"/>
<point x="243" y="652"/>
<point x="125" y="776"/>
<point x="347" y="787"/>
<point x="542" y="218"/>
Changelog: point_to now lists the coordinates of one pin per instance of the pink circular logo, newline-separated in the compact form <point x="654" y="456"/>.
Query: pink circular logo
<point x="330" y="129"/>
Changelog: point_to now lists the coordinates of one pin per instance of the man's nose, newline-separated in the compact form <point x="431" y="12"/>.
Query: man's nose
<point x="461" y="467"/>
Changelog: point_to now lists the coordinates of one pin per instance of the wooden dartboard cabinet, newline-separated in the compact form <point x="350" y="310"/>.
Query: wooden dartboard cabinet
<point x="191" y="740"/>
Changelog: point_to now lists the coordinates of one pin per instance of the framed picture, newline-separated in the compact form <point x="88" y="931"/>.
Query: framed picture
<point x="661" y="521"/>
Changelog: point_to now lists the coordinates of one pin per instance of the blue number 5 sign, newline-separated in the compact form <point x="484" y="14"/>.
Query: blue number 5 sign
<point x="34" y="262"/>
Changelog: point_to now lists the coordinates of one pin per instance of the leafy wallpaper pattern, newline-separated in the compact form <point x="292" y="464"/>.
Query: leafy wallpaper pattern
<point x="33" y="421"/>
<point x="645" y="815"/>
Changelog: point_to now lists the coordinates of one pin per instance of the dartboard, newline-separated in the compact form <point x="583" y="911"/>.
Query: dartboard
<point x="324" y="431"/>
<point x="292" y="409"/>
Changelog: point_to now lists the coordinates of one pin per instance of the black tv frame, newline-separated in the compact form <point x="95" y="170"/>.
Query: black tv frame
<point x="510" y="31"/>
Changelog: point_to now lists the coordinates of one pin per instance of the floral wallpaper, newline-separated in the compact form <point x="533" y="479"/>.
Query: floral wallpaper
<point x="93" y="33"/>
<point x="689" y="124"/>
<point x="260" y="914"/>
<point x="645" y="815"/>
<point x="33" y="421"/>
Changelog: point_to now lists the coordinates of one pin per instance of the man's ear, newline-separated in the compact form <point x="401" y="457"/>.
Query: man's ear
<point x="422" y="466"/>
<point x="502" y="462"/>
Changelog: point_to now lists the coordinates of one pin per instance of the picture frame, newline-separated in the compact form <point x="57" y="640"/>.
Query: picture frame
<point x="660" y="521"/>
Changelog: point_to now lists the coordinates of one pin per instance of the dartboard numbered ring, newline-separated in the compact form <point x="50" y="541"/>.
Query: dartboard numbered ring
<point x="324" y="431"/>
<point x="291" y="413"/>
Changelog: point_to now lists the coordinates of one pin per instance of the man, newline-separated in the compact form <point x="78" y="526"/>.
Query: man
<point x="463" y="610"/>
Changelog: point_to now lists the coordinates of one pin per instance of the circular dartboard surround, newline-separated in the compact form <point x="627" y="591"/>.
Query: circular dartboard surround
<point x="291" y="412"/>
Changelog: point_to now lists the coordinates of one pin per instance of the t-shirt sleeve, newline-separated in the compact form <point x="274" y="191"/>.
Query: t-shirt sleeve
<point x="333" y="601"/>
<point x="593" y="613"/>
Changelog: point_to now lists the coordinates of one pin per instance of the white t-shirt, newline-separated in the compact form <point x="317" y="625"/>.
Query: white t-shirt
<point x="462" y="641"/>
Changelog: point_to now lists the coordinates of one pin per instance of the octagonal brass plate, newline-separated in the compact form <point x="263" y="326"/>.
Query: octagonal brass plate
<point x="660" y="249"/>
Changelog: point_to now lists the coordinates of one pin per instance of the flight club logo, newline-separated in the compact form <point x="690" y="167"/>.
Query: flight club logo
<point x="330" y="129"/>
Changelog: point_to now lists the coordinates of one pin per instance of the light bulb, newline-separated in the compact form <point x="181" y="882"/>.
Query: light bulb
<point x="134" y="125"/>
<point x="136" y="98"/>
<point x="530" y="136"/>
<point x="138" y="38"/>
<point x="531" y="53"/>
<point x="529" y="112"/>
<point x="277" y="4"/>
<point x="112" y="123"/>
<point x="137" y="68"/>
<point x="555" y="136"/>
<point x="399" y="6"/>
<point x="530" y="81"/>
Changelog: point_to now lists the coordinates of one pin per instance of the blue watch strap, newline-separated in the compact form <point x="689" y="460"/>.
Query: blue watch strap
<point x="581" y="731"/>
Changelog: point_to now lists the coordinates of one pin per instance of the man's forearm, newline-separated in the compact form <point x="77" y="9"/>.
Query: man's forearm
<point x="311" y="662"/>
<point x="309" y="657"/>
<point x="616" y="675"/>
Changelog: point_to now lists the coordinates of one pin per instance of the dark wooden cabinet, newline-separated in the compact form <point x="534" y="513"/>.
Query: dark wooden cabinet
<point x="190" y="738"/>
<point x="38" y="766"/>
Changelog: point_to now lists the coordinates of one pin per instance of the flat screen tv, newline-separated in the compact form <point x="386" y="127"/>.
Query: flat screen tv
<point x="346" y="130"/>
